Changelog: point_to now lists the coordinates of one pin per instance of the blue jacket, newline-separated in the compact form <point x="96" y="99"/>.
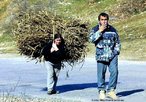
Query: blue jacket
<point x="107" y="43"/>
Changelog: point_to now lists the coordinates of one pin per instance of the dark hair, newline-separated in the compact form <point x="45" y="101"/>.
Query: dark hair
<point x="104" y="15"/>
<point x="59" y="36"/>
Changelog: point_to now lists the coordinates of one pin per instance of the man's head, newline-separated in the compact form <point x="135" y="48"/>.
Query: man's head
<point x="103" y="18"/>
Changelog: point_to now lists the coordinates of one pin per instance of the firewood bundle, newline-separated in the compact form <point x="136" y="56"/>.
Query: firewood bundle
<point x="34" y="29"/>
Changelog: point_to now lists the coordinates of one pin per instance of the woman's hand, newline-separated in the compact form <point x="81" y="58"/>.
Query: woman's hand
<point x="54" y="47"/>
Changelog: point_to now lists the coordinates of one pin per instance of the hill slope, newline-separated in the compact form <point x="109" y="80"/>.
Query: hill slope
<point x="127" y="16"/>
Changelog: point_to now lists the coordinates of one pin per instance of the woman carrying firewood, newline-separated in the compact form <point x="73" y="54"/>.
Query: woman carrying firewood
<point x="53" y="54"/>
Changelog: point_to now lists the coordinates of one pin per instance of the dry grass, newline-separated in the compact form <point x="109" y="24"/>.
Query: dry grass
<point x="3" y="7"/>
<point x="134" y="50"/>
<point x="127" y="8"/>
<point x="11" y="98"/>
<point x="7" y="44"/>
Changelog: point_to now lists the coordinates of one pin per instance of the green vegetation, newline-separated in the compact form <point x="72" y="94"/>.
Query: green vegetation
<point x="87" y="10"/>
<point x="133" y="37"/>
<point x="131" y="26"/>
<point x="7" y="44"/>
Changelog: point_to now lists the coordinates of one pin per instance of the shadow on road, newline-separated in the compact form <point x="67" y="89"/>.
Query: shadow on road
<point x="126" y="93"/>
<point x="72" y="87"/>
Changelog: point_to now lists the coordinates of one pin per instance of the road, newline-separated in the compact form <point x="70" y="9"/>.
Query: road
<point x="21" y="76"/>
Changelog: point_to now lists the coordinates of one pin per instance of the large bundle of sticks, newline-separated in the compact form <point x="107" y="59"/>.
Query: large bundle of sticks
<point x="75" y="35"/>
<point x="34" y="29"/>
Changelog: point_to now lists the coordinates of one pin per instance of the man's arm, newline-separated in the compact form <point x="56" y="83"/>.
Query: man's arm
<point x="117" y="47"/>
<point x="94" y="36"/>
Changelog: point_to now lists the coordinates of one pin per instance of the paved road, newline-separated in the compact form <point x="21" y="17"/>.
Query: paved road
<point x="19" y="76"/>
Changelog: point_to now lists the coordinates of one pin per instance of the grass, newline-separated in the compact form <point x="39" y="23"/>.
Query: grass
<point x="84" y="10"/>
<point x="11" y="98"/>
<point x="3" y="8"/>
<point x="132" y="30"/>
<point x="7" y="44"/>
<point x="133" y="37"/>
<point x="134" y="50"/>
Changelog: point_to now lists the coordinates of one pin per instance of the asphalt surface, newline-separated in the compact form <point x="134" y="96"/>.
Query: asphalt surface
<point x="21" y="76"/>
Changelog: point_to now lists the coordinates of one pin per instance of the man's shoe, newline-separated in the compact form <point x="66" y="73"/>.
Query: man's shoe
<point x="52" y="92"/>
<point x="111" y="94"/>
<point x="102" y="95"/>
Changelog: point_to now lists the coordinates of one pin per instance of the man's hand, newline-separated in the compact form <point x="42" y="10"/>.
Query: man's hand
<point x="102" y="28"/>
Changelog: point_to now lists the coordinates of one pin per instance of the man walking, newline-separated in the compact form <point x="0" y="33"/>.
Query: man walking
<point x="107" y="43"/>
